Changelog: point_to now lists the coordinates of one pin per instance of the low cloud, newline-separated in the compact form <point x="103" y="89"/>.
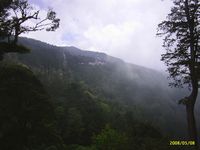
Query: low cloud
<point x="124" y="29"/>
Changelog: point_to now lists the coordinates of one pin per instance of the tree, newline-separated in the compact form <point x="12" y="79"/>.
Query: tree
<point x="26" y="113"/>
<point x="110" y="139"/>
<point x="13" y="22"/>
<point x="4" y="5"/>
<point x="181" y="31"/>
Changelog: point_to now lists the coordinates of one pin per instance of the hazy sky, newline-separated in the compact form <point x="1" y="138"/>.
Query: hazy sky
<point x="121" y="28"/>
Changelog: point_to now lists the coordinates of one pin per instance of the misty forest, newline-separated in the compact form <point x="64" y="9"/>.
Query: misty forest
<point x="64" y="98"/>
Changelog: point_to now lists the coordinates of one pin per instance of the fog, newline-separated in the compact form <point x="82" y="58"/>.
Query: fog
<point x="124" y="29"/>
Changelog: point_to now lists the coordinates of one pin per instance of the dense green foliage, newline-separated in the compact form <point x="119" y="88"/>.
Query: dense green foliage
<point x="110" y="139"/>
<point x="80" y="106"/>
<point x="80" y="120"/>
<point x="62" y="98"/>
<point x="26" y="113"/>
<point x="110" y="78"/>
<point x="85" y="120"/>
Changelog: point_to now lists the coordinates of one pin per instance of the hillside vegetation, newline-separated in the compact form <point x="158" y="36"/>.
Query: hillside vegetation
<point x="86" y="101"/>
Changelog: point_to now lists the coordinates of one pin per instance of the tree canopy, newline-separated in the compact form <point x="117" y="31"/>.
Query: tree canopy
<point x="181" y="41"/>
<point x="26" y="113"/>
<point x="181" y="31"/>
<point x="17" y="17"/>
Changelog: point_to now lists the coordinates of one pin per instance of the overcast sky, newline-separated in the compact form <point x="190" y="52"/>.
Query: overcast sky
<point x="122" y="28"/>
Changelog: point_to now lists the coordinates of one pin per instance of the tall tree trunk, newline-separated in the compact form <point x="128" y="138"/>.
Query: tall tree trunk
<point x="192" y="130"/>
<point x="17" y="28"/>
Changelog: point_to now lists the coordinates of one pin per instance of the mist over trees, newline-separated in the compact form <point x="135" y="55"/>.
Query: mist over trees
<point x="181" y="41"/>
<point x="94" y="103"/>
<point x="63" y="98"/>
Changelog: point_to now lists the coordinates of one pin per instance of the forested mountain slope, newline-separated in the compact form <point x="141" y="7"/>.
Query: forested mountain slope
<point x="145" y="90"/>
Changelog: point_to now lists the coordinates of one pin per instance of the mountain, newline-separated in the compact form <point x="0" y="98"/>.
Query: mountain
<point x="145" y="90"/>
